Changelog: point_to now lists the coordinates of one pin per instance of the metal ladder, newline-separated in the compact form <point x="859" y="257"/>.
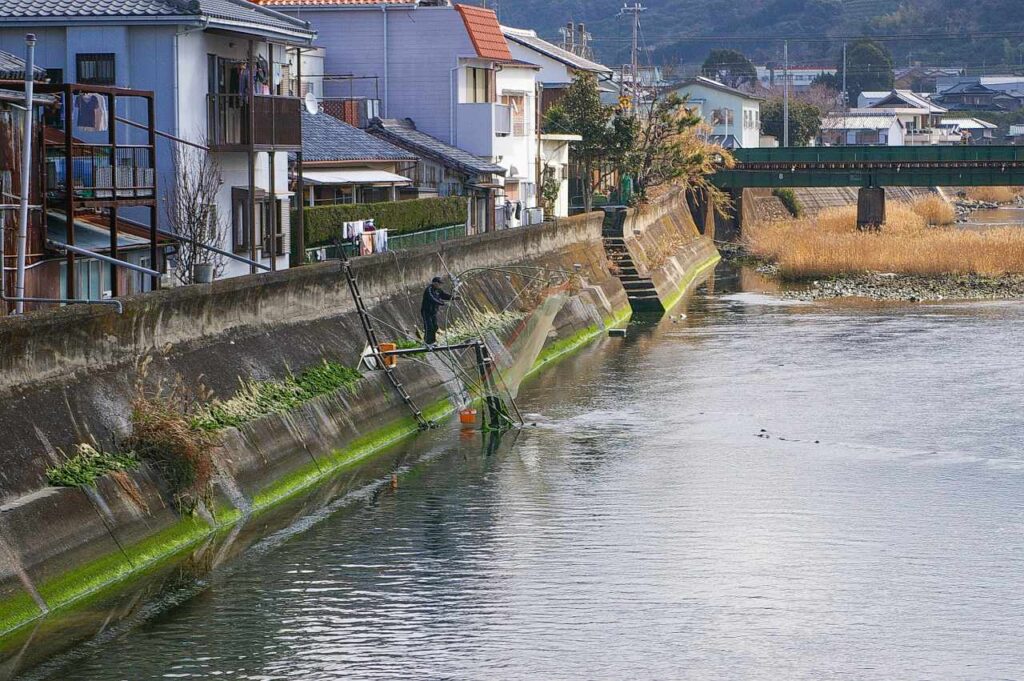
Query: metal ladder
<point x="371" y="337"/>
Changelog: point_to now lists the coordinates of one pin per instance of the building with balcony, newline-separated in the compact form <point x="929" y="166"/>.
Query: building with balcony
<point x="220" y="79"/>
<point x="448" y="67"/>
<point x="734" y="115"/>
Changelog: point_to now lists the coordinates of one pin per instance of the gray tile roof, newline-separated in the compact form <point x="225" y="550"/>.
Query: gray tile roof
<point x="529" y="39"/>
<point x="243" y="11"/>
<point x="325" y="138"/>
<point x="403" y="132"/>
<point x="13" y="68"/>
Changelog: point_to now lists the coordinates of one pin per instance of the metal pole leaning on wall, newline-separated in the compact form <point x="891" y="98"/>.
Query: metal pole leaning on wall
<point x="26" y="170"/>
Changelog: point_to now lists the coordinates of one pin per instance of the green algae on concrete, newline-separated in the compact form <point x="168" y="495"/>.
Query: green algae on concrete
<point x="16" y="611"/>
<point x="566" y="346"/>
<point x="688" y="281"/>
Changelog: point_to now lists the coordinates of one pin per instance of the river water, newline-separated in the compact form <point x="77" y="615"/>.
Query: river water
<point x="759" y="490"/>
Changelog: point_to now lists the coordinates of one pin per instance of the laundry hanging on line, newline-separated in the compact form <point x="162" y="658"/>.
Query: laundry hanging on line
<point x="90" y="113"/>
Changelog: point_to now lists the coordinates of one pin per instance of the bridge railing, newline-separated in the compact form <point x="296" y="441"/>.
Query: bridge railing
<point x="855" y="154"/>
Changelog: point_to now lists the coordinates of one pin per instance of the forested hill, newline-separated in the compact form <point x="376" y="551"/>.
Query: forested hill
<point x="750" y="27"/>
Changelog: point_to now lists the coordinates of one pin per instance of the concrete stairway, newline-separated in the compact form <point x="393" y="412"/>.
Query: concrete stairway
<point x="643" y="297"/>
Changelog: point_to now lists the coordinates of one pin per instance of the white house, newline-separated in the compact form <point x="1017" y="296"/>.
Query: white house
<point x="801" y="78"/>
<point x="196" y="57"/>
<point x="920" y="116"/>
<point x="862" y="127"/>
<point x="558" y="68"/>
<point x="734" y="115"/>
<point x="446" y="67"/>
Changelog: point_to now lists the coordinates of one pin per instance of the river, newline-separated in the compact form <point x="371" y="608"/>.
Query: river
<point x="757" y="490"/>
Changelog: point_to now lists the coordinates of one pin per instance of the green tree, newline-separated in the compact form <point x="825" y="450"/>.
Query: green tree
<point x="804" y="121"/>
<point x="729" y="67"/>
<point x="670" y="149"/>
<point x="607" y="135"/>
<point x="869" y="66"/>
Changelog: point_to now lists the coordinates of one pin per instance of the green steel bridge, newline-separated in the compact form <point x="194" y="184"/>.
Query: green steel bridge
<point x="925" y="166"/>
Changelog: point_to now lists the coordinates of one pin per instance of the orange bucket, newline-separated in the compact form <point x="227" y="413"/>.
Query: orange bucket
<point x="389" y="360"/>
<point x="467" y="416"/>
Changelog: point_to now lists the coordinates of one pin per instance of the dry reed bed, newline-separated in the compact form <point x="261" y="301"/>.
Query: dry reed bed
<point x="994" y="194"/>
<point x="829" y="244"/>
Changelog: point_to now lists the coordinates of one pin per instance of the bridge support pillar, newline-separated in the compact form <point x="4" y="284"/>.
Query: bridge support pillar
<point x="870" y="208"/>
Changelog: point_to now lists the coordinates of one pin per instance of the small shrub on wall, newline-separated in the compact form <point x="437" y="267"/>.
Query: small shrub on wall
<point x="323" y="223"/>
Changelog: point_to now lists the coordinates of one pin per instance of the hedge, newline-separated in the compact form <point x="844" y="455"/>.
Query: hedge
<point x="323" y="223"/>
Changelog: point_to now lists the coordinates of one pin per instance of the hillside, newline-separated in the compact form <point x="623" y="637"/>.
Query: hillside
<point x="682" y="31"/>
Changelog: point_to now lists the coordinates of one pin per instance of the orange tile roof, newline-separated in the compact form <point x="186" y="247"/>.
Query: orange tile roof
<point x="485" y="32"/>
<point x="307" y="3"/>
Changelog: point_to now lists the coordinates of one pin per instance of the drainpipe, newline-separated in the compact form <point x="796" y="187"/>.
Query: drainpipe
<point x="453" y="89"/>
<point x="384" y="9"/>
<point x="26" y="169"/>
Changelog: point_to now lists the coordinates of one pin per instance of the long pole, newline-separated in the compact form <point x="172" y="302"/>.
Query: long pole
<point x="846" y="99"/>
<point x="26" y="171"/>
<point x="300" y="185"/>
<point x="785" y="94"/>
<point x="636" y="50"/>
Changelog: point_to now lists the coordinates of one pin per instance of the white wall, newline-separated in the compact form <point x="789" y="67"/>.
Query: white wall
<point x="746" y="129"/>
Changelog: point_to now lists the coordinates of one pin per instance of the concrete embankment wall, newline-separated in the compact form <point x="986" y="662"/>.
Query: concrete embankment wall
<point x="70" y="376"/>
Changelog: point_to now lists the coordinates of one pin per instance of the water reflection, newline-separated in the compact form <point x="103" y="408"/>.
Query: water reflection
<point x="753" y="490"/>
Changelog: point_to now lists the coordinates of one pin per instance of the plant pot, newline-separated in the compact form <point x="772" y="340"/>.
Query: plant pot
<point x="202" y="273"/>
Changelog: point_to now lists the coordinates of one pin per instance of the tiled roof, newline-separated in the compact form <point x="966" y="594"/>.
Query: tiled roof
<point x="529" y="39"/>
<point x="235" y="11"/>
<point x="861" y="120"/>
<point x="13" y="68"/>
<point x="404" y="133"/>
<point x="325" y="138"/>
<point x="485" y="32"/>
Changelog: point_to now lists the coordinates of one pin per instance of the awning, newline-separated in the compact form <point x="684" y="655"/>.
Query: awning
<point x="353" y="176"/>
<point x="87" y="235"/>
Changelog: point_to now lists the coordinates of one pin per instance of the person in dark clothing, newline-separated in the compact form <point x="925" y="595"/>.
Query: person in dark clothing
<point x="434" y="298"/>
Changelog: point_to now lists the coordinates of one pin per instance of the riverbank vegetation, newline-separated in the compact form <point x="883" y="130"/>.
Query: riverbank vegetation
<point x="829" y="244"/>
<point x="999" y="195"/>
<point x="88" y="464"/>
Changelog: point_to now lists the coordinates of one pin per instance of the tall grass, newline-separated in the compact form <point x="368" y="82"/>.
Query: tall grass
<point x="934" y="209"/>
<point x="830" y="244"/>
<point x="994" y="194"/>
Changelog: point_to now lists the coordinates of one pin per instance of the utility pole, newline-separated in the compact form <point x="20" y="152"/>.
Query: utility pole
<point x="846" y="99"/>
<point x="635" y="10"/>
<point x="785" y="94"/>
<point x="26" y="176"/>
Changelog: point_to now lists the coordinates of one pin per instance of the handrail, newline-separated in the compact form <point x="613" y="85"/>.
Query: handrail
<point x="214" y="249"/>
<point x="99" y="256"/>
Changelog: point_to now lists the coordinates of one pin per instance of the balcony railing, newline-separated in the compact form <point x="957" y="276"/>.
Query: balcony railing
<point x="100" y="170"/>
<point x="276" y="122"/>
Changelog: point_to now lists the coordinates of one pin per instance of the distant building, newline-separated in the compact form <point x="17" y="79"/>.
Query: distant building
<point x="979" y="95"/>
<point x="862" y="127"/>
<point x="734" y="115"/>
<point x="971" y="130"/>
<point x="924" y="78"/>
<point x="800" y="77"/>
<point x="918" y="115"/>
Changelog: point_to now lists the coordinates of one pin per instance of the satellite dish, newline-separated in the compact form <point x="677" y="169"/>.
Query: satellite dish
<point x="311" y="104"/>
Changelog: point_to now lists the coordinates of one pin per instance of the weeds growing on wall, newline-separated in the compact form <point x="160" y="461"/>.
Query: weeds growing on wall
<point x="255" y="399"/>
<point x="163" y="436"/>
<point x="88" y="464"/>
<point x="481" y="323"/>
<point x="789" y="200"/>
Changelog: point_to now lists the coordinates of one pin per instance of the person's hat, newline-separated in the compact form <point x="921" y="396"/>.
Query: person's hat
<point x="437" y="280"/>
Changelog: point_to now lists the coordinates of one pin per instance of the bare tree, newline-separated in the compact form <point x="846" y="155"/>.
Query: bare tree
<point x="192" y="211"/>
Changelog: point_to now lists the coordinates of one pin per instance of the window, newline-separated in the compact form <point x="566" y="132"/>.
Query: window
<point x="95" y="68"/>
<point x="55" y="76"/>
<point x="479" y="85"/>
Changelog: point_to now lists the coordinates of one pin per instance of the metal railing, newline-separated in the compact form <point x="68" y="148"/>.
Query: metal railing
<point x="398" y="242"/>
<point x="96" y="169"/>
<point x="276" y="121"/>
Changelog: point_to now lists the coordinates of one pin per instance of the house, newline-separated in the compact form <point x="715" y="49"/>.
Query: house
<point x="447" y="67"/>
<point x="972" y="130"/>
<point x="919" y="115"/>
<point x="343" y="164"/>
<point x="220" y="78"/>
<point x="924" y="78"/>
<point x="979" y="95"/>
<point x="64" y="260"/>
<point x="801" y="78"/>
<point x="862" y="127"/>
<point x="442" y="169"/>
<point x="734" y="115"/>
<point x="558" y="68"/>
